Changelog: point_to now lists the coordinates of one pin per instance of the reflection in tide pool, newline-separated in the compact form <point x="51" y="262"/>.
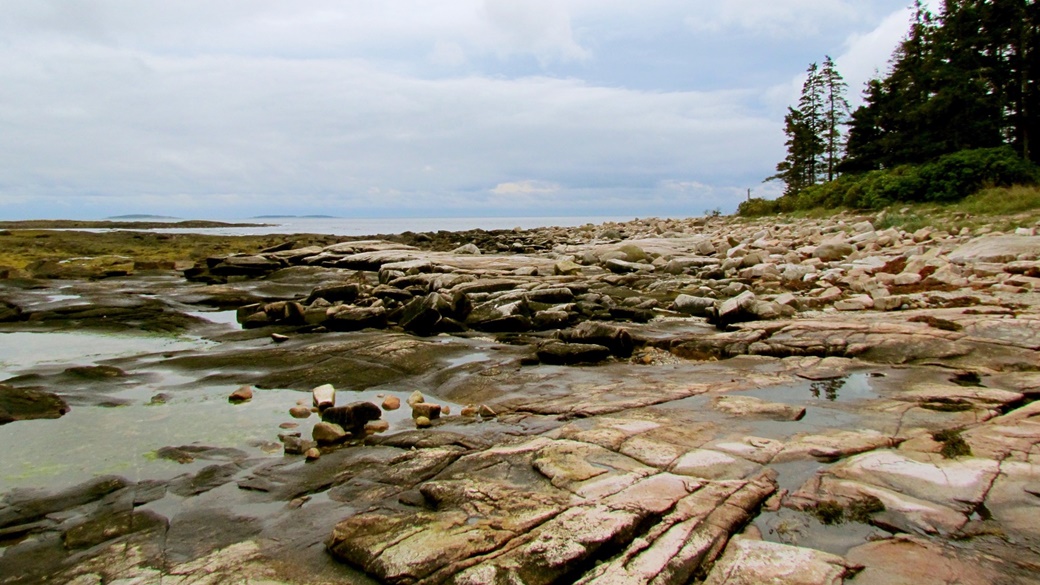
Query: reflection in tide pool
<point x="93" y="440"/>
<point x="22" y="350"/>
<point x="222" y="317"/>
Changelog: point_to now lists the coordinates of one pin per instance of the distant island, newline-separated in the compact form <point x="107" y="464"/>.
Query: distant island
<point x="72" y="224"/>
<point x="141" y="216"/>
<point x="294" y="217"/>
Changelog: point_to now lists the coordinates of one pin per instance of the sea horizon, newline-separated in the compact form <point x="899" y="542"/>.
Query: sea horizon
<point x="342" y="226"/>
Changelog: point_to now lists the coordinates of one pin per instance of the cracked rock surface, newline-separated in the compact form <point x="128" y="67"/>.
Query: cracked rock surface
<point x="662" y="401"/>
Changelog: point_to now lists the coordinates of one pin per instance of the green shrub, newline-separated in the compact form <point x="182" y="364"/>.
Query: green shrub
<point x="949" y="178"/>
<point x="955" y="176"/>
<point x="756" y="207"/>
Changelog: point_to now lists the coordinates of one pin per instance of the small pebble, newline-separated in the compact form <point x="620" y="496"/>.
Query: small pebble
<point x="243" y="394"/>
<point x="486" y="411"/>
<point x="426" y="409"/>
<point x="299" y="412"/>
<point x="288" y="425"/>
<point x="391" y="403"/>
<point x="445" y="410"/>
<point x="160" y="398"/>
<point x="416" y="398"/>
<point x="312" y="454"/>
<point x="377" y="426"/>
<point x="279" y="338"/>
<point x="422" y="422"/>
<point x="469" y="410"/>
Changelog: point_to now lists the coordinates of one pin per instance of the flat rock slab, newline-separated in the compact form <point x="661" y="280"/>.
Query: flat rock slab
<point x="754" y="562"/>
<point x="915" y="561"/>
<point x="959" y="484"/>
<point x="833" y="445"/>
<point x="997" y="249"/>
<point x="709" y="464"/>
<point x="543" y="510"/>
<point x="756" y="407"/>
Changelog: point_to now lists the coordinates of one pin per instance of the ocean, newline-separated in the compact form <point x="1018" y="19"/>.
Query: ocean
<point x="362" y="227"/>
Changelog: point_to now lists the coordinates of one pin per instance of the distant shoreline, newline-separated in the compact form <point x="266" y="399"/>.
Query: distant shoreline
<point x="45" y="224"/>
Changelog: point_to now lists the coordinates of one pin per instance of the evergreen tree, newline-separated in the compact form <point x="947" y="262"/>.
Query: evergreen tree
<point x="863" y="150"/>
<point x="836" y="114"/>
<point x="814" y="143"/>
<point x="965" y="79"/>
<point x="794" y="169"/>
<point x="812" y="106"/>
<point x="890" y="127"/>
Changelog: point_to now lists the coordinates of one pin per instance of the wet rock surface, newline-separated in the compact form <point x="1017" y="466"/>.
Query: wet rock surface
<point x="663" y="401"/>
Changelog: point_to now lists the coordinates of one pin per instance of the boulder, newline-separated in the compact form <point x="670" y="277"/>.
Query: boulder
<point x="566" y="268"/>
<point x="294" y="445"/>
<point x="617" y="339"/>
<point x="466" y="249"/>
<point x="351" y="318"/>
<point x="245" y="266"/>
<point x="559" y="353"/>
<point x="29" y="403"/>
<point x="422" y="316"/>
<point x="352" y="417"/>
<point x="734" y="310"/>
<point x="833" y="251"/>
<point x="335" y="293"/>
<point x="9" y="312"/>
<point x="619" y="266"/>
<point x="691" y="305"/>
<point x="551" y="319"/>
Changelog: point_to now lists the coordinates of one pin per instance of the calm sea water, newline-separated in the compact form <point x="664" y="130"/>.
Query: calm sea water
<point x="361" y="227"/>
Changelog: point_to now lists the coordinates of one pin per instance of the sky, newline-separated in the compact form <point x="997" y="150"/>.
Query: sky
<point x="411" y="108"/>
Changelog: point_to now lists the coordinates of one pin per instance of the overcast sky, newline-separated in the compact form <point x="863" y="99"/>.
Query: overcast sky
<point x="396" y="108"/>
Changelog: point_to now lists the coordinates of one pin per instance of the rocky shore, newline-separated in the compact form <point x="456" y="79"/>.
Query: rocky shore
<point x="714" y="400"/>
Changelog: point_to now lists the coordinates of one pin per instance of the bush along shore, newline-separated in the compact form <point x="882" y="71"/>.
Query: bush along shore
<point x="724" y="399"/>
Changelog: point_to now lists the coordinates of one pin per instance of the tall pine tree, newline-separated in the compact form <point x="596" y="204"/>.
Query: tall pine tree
<point x="835" y="115"/>
<point x="814" y="143"/>
<point x="966" y="78"/>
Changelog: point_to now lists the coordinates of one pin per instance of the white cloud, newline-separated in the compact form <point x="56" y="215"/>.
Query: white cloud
<point x="539" y="27"/>
<point x="228" y="105"/>
<point x="867" y="55"/>
<point x="784" y="19"/>
<point x="526" y="188"/>
<point x="863" y="56"/>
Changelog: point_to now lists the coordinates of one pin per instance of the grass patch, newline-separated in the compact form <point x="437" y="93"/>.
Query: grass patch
<point x="947" y="405"/>
<point x="1001" y="201"/>
<point x="860" y="510"/>
<point x="20" y="248"/>
<point x="863" y="509"/>
<point x="829" y="512"/>
<point x="953" y="445"/>
<point x="908" y="222"/>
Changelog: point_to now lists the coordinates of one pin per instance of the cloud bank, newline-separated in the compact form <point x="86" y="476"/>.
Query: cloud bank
<point x="233" y="108"/>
